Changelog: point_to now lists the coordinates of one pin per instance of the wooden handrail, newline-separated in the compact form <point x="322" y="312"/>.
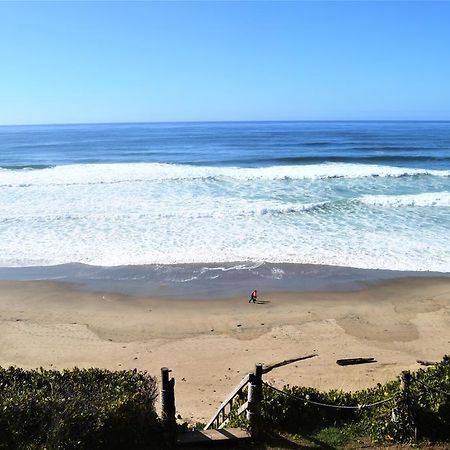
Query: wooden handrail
<point x="219" y="419"/>
<point x="240" y="410"/>
<point x="229" y="399"/>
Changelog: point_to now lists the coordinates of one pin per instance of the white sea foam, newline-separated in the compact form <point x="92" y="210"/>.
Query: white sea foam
<point x="162" y="214"/>
<point x="422" y="199"/>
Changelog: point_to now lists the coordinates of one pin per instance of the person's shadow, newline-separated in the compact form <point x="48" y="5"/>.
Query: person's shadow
<point x="262" y="302"/>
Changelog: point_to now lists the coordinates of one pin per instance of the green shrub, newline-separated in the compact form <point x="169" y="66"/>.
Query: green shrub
<point x="78" y="408"/>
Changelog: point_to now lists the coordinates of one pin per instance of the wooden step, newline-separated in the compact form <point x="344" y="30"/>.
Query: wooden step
<point x="205" y="436"/>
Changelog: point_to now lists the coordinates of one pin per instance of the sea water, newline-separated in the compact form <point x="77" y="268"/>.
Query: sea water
<point x="371" y="195"/>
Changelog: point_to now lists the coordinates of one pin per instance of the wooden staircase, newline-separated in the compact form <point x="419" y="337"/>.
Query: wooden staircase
<point x="219" y="419"/>
<point x="214" y="431"/>
<point x="210" y="437"/>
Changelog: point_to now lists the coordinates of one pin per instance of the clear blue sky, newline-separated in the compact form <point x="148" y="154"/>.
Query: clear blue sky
<point x="110" y="62"/>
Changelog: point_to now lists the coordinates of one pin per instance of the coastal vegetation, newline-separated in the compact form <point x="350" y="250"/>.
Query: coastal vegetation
<point x="78" y="408"/>
<point x="102" y="409"/>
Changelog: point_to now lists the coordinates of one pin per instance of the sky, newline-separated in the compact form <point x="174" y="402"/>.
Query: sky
<point x="83" y="62"/>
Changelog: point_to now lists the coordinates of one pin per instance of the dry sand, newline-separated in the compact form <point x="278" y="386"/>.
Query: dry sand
<point x="211" y="344"/>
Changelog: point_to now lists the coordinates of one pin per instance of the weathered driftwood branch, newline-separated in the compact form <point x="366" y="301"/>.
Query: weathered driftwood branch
<point x="286" y="362"/>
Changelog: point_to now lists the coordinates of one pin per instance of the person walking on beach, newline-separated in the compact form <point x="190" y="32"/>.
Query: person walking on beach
<point x="253" y="296"/>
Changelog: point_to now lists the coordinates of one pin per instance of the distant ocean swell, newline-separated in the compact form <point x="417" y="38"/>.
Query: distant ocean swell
<point x="395" y="156"/>
<point x="380" y="159"/>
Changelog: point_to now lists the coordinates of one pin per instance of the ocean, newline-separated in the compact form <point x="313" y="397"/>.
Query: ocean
<point x="189" y="201"/>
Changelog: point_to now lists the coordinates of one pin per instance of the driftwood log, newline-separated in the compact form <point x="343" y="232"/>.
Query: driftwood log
<point x="352" y="361"/>
<point x="426" y="363"/>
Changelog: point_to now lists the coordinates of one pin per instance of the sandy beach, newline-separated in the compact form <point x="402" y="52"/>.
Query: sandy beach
<point x="211" y="344"/>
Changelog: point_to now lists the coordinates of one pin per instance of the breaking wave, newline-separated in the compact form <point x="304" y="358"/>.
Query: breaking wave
<point x="85" y="174"/>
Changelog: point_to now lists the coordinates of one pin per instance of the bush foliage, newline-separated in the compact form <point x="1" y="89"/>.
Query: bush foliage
<point x="422" y="411"/>
<point x="78" y="408"/>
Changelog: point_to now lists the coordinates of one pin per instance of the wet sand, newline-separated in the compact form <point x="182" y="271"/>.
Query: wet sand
<point x="211" y="344"/>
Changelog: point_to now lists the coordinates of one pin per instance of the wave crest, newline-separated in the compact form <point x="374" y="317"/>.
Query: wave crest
<point x="147" y="172"/>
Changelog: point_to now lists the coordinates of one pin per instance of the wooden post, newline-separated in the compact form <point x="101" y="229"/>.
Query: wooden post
<point x="405" y="379"/>
<point x="168" y="403"/>
<point x="258" y="376"/>
<point x="408" y="419"/>
<point x="254" y="401"/>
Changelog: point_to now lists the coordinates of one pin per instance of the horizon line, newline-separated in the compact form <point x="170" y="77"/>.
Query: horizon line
<point x="223" y="121"/>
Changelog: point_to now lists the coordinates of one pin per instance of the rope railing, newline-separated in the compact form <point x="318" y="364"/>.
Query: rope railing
<point x="328" y="405"/>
